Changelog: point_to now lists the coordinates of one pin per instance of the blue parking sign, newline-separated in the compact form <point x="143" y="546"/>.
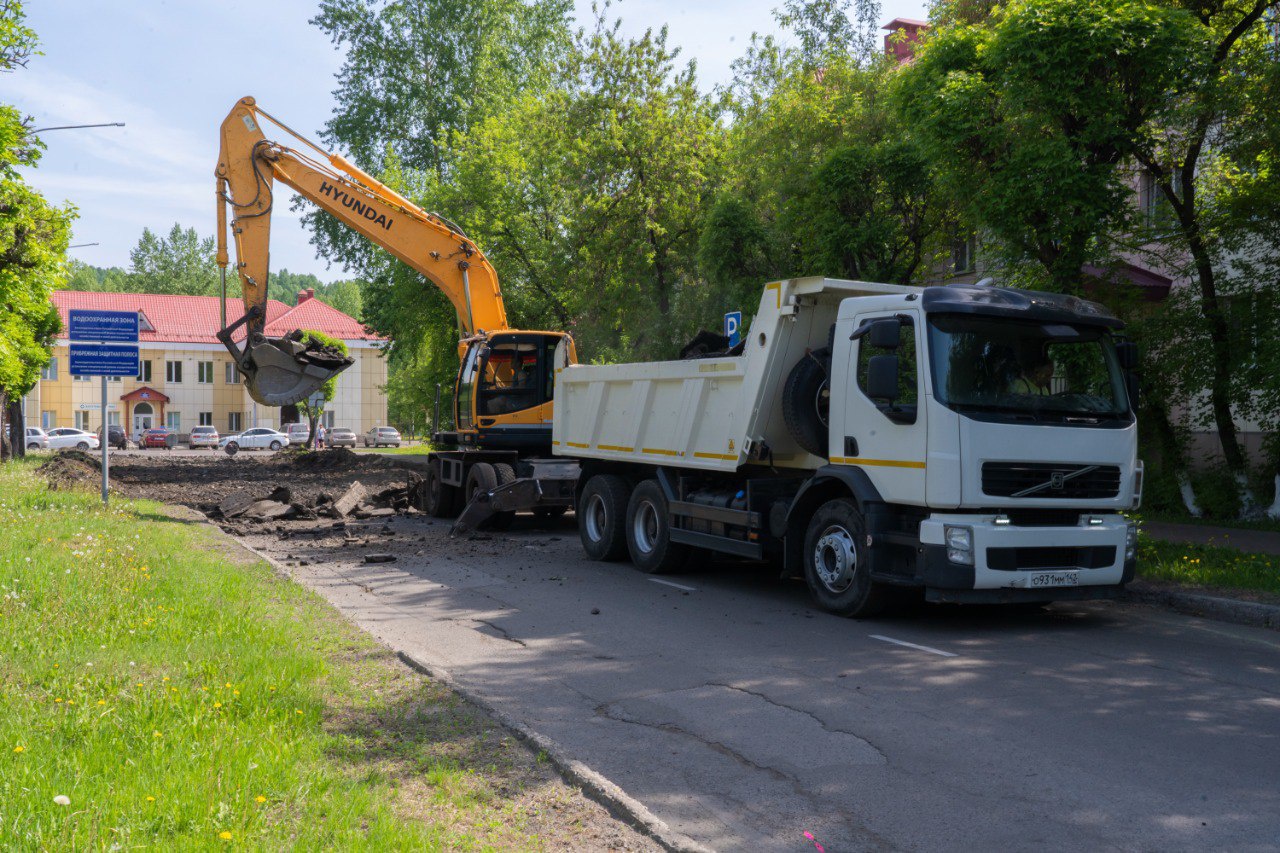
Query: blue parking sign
<point x="733" y="327"/>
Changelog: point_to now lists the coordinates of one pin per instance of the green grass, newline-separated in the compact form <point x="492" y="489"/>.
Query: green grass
<point x="182" y="695"/>
<point x="403" y="450"/>
<point x="1208" y="566"/>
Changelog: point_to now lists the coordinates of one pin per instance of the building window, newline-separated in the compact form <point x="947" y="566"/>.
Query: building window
<point x="204" y="372"/>
<point x="326" y="418"/>
<point x="206" y="419"/>
<point x="82" y="420"/>
<point x="173" y="420"/>
<point x="962" y="255"/>
<point x="234" y="422"/>
<point x="48" y="420"/>
<point x="113" y="418"/>
<point x="144" y="371"/>
<point x="173" y="371"/>
<point x="233" y="374"/>
<point x="75" y="378"/>
<point x="50" y="370"/>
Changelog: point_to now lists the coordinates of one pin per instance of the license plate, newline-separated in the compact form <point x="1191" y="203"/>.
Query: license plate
<point x="1043" y="580"/>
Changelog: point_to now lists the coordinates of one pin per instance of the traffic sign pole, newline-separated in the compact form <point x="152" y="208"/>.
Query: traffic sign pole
<point x="105" y="436"/>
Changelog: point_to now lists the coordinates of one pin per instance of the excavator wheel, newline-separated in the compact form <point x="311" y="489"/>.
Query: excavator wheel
<point x="484" y="477"/>
<point x="440" y="500"/>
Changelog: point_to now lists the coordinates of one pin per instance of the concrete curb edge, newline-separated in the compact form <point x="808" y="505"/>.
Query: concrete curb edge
<point x="1209" y="606"/>
<point x="593" y="784"/>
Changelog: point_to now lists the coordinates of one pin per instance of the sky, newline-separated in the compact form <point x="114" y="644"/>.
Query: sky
<point x="172" y="70"/>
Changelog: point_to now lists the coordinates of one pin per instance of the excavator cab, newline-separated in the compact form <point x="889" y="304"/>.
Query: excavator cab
<point x="505" y="389"/>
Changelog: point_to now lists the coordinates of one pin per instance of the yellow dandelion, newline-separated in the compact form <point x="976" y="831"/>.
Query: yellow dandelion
<point x="166" y="678"/>
<point x="102" y="701"/>
<point x="228" y="684"/>
<point x="260" y="799"/>
<point x="156" y="734"/>
<point x="224" y="835"/>
<point x="19" y="749"/>
<point x="272" y="689"/>
<point x="296" y="711"/>
<point x="57" y="700"/>
<point x="151" y="799"/>
<point x="217" y="704"/>
<point x="236" y="692"/>
<point x="139" y="683"/>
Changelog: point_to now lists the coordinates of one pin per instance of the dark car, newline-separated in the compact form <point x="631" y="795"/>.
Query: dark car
<point x="115" y="436"/>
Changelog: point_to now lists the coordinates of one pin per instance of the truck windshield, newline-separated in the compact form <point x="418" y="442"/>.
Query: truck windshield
<point x="1026" y="370"/>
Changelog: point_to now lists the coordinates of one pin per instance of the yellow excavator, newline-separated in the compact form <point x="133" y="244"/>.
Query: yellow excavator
<point x="503" y="393"/>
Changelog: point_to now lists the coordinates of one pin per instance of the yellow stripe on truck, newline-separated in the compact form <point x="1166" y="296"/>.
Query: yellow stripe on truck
<point x="698" y="454"/>
<point x="883" y="463"/>
<point x="659" y="452"/>
<point x="616" y="448"/>
<point x="576" y="444"/>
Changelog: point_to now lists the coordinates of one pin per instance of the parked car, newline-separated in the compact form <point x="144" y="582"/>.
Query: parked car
<point x="379" y="436"/>
<point x="115" y="436"/>
<point x="203" y="436"/>
<point x="297" y="433"/>
<point x="37" y="439"/>
<point x="65" y="438"/>
<point x="258" y="438"/>
<point x="341" y="437"/>
<point x="156" y="437"/>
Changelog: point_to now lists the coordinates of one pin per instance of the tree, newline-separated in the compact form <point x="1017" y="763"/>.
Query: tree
<point x="327" y="390"/>
<point x="1029" y="114"/>
<point x="181" y="263"/>
<point x="1211" y="155"/>
<point x="33" y="244"/>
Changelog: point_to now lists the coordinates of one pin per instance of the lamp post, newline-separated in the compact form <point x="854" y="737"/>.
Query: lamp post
<point x="74" y="126"/>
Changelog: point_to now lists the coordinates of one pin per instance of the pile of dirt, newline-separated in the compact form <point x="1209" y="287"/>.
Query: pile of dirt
<point x="337" y="459"/>
<point x="246" y="506"/>
<point x="71" y="469"/>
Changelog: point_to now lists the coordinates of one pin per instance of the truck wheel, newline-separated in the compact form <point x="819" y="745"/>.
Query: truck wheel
<point x="836" y="566"/>
<point x="806" y="402"/>
<point x="649" y="532"/>
<point x="506" y="474"/>
<point x="602" y="514"/>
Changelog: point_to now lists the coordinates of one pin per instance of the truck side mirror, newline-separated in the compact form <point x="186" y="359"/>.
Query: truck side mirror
<point x="882" y="376"/>
<point x="886" y="334"/>
<point x="1127" y="354"/>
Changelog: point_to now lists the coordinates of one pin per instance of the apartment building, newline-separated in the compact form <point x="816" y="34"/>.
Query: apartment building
<point x="186" y="376"/>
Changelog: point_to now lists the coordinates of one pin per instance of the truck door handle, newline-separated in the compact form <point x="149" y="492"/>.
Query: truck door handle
<point x="850" y="446"/>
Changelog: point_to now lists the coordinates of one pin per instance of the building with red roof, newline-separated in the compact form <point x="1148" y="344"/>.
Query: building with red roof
<point x="187" y="377"/>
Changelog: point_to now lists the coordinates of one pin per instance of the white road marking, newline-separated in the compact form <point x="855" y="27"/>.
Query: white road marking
<point x="676" y="585"/>
<point x="913" y="646"/>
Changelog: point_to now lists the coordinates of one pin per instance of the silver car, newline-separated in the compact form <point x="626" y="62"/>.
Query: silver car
<point x="203" y="436"/>
<point x="258" y="438"/>
<point x="65" y="438"/>
<point x="341" y="437"/>
<point x="380" y="436"/>
<point x="37" y="439"/>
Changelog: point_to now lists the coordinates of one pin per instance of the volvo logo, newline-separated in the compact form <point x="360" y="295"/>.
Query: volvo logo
<point x="1056" y="480"/>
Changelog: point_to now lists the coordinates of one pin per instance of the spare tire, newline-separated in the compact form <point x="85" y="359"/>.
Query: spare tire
<point x="806" y="401"/>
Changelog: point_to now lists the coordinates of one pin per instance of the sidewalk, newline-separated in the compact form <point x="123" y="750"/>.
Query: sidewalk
<point x="1252" y="541"/>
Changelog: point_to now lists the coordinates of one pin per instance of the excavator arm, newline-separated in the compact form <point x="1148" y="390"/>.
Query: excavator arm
<point x="279" y="371"/>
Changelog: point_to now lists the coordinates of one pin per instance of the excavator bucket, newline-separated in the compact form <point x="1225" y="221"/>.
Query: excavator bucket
<point x="284" y="371"/>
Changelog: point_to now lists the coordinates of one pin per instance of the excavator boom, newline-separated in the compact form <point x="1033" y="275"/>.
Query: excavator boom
<point x="280" y="371"/>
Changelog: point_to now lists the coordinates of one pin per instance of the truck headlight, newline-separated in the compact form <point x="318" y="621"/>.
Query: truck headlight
<point x="959" y="542"/>
<point x="1131" y="542"/>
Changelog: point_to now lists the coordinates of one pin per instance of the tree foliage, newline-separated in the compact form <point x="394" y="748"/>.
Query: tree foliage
<point x="181" y="262"/>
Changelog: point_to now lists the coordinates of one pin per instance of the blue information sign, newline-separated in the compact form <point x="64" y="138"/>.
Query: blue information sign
<point x="103" y="326"/>
<point x="103" y="360"/>
<point x="733" y="327"/>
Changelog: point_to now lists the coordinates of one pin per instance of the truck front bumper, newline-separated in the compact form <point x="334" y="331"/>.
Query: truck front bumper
<point x="1020" y="563"/>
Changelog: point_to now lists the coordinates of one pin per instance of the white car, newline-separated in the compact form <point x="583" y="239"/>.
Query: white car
<point x="258" y="438"/>
<point x="37" y="439"/>
<point x="378" y="436"/>
<point x="203" y="436"/>
<point x="65" y="438"/>
<point x="298" y="433"/>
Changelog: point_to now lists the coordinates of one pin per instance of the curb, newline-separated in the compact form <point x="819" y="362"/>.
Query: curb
<point x="593" y="785"/>
<point x="1210" y="606"/>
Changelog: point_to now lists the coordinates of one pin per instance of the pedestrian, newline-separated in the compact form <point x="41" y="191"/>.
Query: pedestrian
<point x="320" y="436"/>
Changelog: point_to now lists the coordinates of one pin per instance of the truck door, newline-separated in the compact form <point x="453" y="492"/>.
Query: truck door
<point x="885" y="439"/>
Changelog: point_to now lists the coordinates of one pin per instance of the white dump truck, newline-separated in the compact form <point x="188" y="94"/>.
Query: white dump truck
<point x="976" y="442"/>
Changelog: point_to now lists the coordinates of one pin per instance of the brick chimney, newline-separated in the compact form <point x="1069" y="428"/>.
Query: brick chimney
<point x="902" y="48"/>
<point x="304" y="295"/>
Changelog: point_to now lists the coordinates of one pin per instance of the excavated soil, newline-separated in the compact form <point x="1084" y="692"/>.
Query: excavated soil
<point x="203" y="482"/>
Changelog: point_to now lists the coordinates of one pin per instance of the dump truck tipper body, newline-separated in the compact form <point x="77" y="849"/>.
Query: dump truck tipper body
<point x="978" y="442"/>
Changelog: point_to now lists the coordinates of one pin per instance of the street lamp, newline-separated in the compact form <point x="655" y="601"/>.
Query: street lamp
<point x="81" y="245"/>
<point x="74" y="126"/>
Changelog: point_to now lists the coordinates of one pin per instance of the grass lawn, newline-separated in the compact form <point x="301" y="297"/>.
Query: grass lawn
<point x="158" y="686"/>
<point x="1209" y="567"/>
<point x="403" y="450"/>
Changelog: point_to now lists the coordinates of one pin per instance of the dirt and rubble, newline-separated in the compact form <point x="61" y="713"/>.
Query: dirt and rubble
<point x="242" y="490"/>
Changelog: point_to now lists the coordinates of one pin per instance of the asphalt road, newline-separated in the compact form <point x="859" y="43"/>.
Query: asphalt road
<point x="743" y="717"/>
